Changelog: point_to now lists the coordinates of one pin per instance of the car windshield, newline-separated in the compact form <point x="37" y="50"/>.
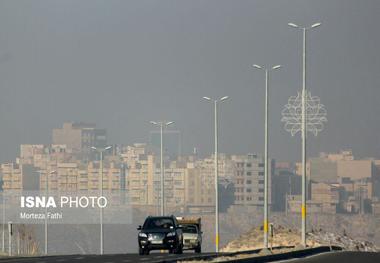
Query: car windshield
<point x="190" y="229"/>
<point x="158" y="223"/>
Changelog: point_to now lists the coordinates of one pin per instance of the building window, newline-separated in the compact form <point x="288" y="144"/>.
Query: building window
<point x="261" y="181"/>
<point x="249" y="165"/>
<point x="261" y="198"/>
<point x="249" y="190"/>
<point x="261" y="190"/>
<point x="261" y="173"/>
<point x="249" y="173"/>
<point x="261" y="164"/>
<point x="249" y="182"/>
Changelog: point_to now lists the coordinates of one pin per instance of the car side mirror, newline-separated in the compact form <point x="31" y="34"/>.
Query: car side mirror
<point x="139" y="228"/>
<point x="180" y="226"/>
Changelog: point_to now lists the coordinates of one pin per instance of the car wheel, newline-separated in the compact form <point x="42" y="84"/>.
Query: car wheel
<point x="198" y="249"/>
<point x="147" y="252"/>
<point x="178" y="250"/>
<point x="141" y="251"/>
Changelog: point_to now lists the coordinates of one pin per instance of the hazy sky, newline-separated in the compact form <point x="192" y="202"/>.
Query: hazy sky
<point x="122" y="63"/>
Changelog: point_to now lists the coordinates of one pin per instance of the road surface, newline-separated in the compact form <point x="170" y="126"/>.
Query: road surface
<point x="330" y="257"/>
<point x="343" y="257"/>
<point x="117" y="258"/>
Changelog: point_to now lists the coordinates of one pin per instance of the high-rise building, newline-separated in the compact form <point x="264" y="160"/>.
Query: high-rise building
<point x="140" y="181"/>
<point x="19" y="177"/>
<point x="79" y="137"/>
<point x="249" y="179"/>
<point x="285" y="183"/>
<point x="355" y="169"/>
<point x="323" y="170"/>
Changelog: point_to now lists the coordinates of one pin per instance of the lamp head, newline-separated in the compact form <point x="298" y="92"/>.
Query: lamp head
<point x="256" y="66"/>
<point x="293" y="25"/>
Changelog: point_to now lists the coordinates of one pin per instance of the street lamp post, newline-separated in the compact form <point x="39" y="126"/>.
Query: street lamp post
<point x="46" y="220"/>
<point x="162" y="124"/>
<point x="216" y="168"/>
<point x="265" y="225"/>
<point x="101" y="151"/>
<point x="304" y="131"/>
<point x="46" y="245"/>
<point x="3" y="236"/>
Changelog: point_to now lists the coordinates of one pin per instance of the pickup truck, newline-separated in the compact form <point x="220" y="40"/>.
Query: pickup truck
<point x="192" y="233"/>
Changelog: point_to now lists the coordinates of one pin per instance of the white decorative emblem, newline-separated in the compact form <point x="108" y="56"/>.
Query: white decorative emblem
<point x="315" y="114"/>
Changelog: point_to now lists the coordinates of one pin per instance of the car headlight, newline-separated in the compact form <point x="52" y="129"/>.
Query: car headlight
<point x="142" y="235"/>
<point x="171" y="234"/>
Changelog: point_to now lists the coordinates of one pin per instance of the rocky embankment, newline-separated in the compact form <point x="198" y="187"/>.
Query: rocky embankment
<point x="283" y="236"/>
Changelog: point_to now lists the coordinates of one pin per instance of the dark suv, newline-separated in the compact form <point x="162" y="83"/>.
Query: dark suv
<point x="160" y="232"/>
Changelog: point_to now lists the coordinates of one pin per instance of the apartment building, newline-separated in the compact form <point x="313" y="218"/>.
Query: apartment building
<point x="174" y="186"/>
<point x="325" y="196"/>
<point x="140" y="181"/>
<point x="112" y="176"/>
<point x="19" y="177"/>
<point x="79" y="137"/>
<point x="323" y="170"/>
<point x="12" y="176"/>
<point x="249" y="179"/>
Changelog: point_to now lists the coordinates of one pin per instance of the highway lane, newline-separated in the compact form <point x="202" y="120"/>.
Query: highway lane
<point x="329" y="257"/>
<point x="117" y="258"/>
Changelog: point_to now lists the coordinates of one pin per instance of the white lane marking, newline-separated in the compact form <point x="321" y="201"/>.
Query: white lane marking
<point x="295" y="259"/>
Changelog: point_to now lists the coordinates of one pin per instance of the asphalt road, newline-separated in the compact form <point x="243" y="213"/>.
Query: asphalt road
<point x="342" y="257"/>
<point x="117" y="258"/>
<point x="330" y="257"/>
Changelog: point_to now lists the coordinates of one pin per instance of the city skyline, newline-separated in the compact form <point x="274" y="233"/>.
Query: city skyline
<point x="243" y="126"/>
